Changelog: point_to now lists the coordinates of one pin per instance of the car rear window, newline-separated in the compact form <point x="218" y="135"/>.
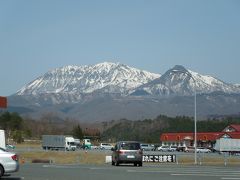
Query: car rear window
<point x="130" y="146"/>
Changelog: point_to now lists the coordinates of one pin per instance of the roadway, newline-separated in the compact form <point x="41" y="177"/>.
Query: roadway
<point x="107" y="172"/>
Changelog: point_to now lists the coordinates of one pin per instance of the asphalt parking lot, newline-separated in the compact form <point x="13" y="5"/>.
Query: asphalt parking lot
<point x="107" y="172"/>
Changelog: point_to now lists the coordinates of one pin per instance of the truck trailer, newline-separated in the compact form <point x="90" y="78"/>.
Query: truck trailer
<point x="227" y="145"/>
<point x="58" y="142"/>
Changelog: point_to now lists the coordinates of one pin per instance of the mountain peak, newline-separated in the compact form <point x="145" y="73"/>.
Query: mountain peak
<point x="180" y="81"/>
<point x="179" y="68"/>
<point x="104" y="76"/>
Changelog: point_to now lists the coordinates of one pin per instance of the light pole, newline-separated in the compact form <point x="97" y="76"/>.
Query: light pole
<point x="195" y="119"/>
<point x="195" y="123"/>
<point x="195" y="115"/>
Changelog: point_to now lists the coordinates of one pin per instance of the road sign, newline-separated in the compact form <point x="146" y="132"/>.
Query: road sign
<point x="159" y="158"/>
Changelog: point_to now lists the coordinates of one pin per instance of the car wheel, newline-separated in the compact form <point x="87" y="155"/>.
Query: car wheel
<point x="113" y="163"/>
<point x="135" y="164"/>
<point x="140" y="164"/>
<point x="117" y="163"/>
<point x="1" y="171"/>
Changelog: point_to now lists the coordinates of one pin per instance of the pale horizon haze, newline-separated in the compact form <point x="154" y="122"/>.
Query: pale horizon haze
<point x="151" y="35"/>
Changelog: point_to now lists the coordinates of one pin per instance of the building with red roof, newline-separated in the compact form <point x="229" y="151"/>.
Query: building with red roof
<point x="232" y="128"/>
<point x="206" y="139"/>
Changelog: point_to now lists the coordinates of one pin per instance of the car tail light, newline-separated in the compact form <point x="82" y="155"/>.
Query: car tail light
<point x="14" y="157"/>
<point x="121" y="152"/>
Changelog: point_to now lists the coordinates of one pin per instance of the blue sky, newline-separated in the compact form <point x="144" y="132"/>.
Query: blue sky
<point x="153" y="35"/>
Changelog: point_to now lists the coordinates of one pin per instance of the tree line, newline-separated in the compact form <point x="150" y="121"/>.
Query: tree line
<point x="148" y="130"/>
<point x="18" y="128"/>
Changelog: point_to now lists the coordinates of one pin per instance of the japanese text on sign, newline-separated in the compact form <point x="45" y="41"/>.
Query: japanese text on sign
<point x="159" y="158"/>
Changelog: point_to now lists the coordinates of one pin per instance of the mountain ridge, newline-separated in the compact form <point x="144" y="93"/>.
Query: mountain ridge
<point x="108" y="91"/>
<point x="87" y="79"/>
<point x="110" y="77"/>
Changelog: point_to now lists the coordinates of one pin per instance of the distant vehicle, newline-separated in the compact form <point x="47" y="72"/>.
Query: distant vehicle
<point x="227" y="145"/>
<point x="189" y="149"/>
<point x="8" y="162"/>
<point x="127" y="152"/>
<point x="181" y="148"/>
<point x="58" y="142"/>
<point x="105" y="146"/>
<point x="203" y="150"/>
<point x="147" y="147"/>
<point x="10" y="146"/>
<point x="77" y="143"/>
<point x="2" y="139"/>
<point x="172" y="148"/>
<point x="87" y="144"/>
<point x="163" y="148"/>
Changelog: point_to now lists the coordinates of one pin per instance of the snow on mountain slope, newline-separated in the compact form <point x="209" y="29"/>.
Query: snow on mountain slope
<point x="180" y="81"/>
<point x="89" y="78"/>
<point x="206" y="83"/>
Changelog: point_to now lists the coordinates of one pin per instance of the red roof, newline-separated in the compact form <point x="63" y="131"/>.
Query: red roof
<point x="233" y="135"/>
<point x="202" y="136"/>
<point x="236" y="127"/>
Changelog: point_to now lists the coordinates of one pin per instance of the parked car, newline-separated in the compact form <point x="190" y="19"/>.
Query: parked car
<point x="163" y="148"/>
<point x="147" y="147"/>
<point x="10" y="147"/>
<point x="189" y="149"/>
<point x="172" y="148"/>
<point x="203" y="150"/>
<point x="106" y="146"/>
<point x="181" y="148"/>
<point x="127" y="152"/>
<point x="8" y="162"/>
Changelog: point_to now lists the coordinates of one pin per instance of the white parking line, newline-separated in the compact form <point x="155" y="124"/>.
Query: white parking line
<point x="209" y="175"/>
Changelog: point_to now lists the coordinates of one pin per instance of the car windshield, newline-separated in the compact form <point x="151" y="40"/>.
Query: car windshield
<point x="130" y="146"/>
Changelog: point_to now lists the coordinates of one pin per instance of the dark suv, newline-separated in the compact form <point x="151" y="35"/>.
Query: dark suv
<point x="127" y="152"/>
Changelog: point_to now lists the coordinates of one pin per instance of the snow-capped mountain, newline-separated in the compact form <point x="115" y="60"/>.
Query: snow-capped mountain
<point x="108" y="91"/>
<point x="180" y="81"/>
<point x="107" y="77"/>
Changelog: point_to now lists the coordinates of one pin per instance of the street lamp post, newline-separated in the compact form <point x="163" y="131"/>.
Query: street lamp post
<point x="195" y="117"/>
<point x="195" y="124"/>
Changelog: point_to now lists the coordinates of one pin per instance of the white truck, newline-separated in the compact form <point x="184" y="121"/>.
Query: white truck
<point x="58" y="142"/>
<point x="227" y="145"/>
<point x="78" y="143"/>
<point x="2" y="139"/>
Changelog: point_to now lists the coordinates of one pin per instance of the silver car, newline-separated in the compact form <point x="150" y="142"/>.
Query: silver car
<point x="163" y="148"/>
<point x="106" y="146"/>
<point x="203" y="150"/>
<point x="127" y="152"/>
<point x="8" y="162"/>
<point x="147" y="147"/>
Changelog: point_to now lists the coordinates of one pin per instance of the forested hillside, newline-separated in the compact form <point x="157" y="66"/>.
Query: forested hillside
<point x="150" y="130"/>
